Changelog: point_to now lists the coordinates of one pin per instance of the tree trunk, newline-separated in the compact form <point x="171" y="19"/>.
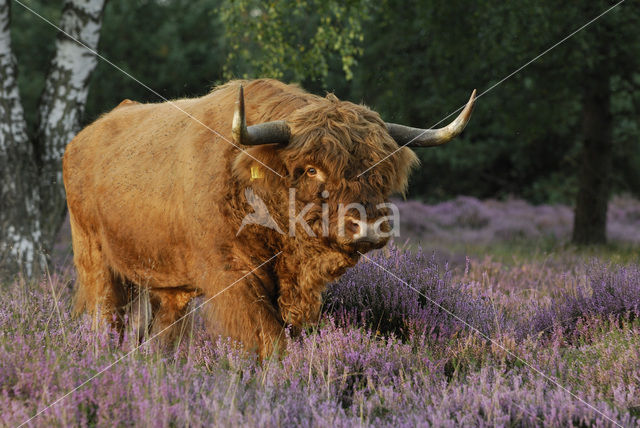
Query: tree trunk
<point x="19" y="217"/>
<point x="590" y="220"/>
<point x="62" y="104"/>
<point x="32" y="200"/>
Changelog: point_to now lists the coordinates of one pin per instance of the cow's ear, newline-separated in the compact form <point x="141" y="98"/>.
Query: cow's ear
<point x="260" y="165"/>
<point x="405" y="160"/>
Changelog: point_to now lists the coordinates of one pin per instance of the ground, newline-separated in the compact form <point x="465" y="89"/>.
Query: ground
<point x="508" y="326"/>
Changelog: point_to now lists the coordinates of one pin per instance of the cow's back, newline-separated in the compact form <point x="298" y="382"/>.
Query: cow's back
<point x="127" y="178"/>
<point x="151" y="183"/>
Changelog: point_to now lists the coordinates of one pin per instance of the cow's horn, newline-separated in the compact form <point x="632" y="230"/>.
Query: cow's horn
<point x="276" y="132"/>
<point x="417" y="137"/>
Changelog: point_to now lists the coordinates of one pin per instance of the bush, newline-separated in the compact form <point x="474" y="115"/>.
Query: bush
<point x="421" y="302"/>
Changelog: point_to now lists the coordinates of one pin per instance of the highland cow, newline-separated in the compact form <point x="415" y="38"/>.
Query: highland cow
<point x="159" y="196"/>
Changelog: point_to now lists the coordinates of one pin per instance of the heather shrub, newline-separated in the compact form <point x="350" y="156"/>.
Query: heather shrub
<point x="608" y="291"/>
<point x="387" y="352"/>
<point x="341" y="373"/>
<point x="471" y="221"/>
<point x="462" y="212"/>
<point x="345" y="362"/>
<point x="426" y="301"/>
<point x="624" y="219"/>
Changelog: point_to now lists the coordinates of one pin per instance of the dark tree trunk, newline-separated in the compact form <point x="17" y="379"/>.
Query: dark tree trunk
<point x="590" y="221"/>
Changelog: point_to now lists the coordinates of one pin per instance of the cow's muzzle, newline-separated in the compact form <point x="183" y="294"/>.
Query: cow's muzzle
<point x="368" y="235"/>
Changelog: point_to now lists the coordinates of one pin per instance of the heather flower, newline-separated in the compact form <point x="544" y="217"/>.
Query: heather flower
<point x="383" y="353"/>
<point x="609" y="291"/>
<point x="424" y="300"/>
<point x="468" y="220"/>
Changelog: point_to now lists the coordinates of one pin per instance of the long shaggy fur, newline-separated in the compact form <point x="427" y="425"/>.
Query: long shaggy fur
<point x="156" y="199"/>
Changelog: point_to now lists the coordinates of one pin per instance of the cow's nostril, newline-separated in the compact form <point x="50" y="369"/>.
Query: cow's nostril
<point x="386" y="226"/>
<point x="353" y="227"/>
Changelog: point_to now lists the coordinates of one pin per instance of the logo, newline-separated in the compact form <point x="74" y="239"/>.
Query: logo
<point x="260" y="215"/>
<point x="381" y="227"/>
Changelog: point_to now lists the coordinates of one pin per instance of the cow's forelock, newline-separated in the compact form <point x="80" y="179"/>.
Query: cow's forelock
<point x="347" y="140"/>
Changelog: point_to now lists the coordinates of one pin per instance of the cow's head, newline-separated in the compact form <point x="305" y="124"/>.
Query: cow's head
<point x="343" y="162"/>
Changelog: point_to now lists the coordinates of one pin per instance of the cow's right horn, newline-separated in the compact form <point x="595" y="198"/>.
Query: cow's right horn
<point x="417" y="137"/>
<point x="276" y="132"/>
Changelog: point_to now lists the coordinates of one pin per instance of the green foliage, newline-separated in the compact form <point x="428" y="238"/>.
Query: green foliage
<point x="292" y="40"/>
<point x="413" y="61"/>
<point x="423" y="58"/>
<point x="173" y="47"/>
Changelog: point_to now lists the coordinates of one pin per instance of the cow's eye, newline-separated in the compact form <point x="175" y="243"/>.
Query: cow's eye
<point x="311" y="172"/>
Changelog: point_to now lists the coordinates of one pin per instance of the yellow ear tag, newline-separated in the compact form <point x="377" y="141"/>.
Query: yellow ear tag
<point x="256" y="173"/>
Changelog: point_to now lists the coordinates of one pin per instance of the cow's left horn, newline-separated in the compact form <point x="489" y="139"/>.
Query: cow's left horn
<point x="276" y="132"/>
<point x="417" y="137"/>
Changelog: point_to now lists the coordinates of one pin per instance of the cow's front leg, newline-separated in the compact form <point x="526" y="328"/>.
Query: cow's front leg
<point x="302" y="285"/>
<point x="169" y="307"/>
<point x="299" y="307"/>
<point x="246" y="313"/>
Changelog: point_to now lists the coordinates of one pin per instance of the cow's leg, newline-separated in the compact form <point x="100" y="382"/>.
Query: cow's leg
<point x="97" y="290"/>
<point x="169" y="307"/>
<point x="302" y="284"/>
<point x="139" y="312"/>
<point x="245" y="314"/>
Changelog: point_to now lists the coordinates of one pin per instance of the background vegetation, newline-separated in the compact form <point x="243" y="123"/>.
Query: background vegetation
<point x="556" y="120"/>
<point x="412" y="61"/>
<point x="514" y="329"/>
<point x="517" y="340"/>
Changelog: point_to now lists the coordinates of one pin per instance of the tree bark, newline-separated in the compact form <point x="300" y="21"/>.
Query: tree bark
<point x="32" y="200"/>
<point x="19" y="217"/>
<point x="62" y="104"/>
<point x="590" y="221"/>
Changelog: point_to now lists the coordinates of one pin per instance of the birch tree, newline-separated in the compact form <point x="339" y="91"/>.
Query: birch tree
<point x="32" y="200"/>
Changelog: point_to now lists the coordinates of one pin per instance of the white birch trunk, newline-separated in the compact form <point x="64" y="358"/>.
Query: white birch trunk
<point x="19" y="214"/>
<point x="32" y="202"/>
<point x="62" y="103"/>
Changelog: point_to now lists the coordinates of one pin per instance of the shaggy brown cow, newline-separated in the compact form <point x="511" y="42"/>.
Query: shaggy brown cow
<point x="157" y="197"/>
